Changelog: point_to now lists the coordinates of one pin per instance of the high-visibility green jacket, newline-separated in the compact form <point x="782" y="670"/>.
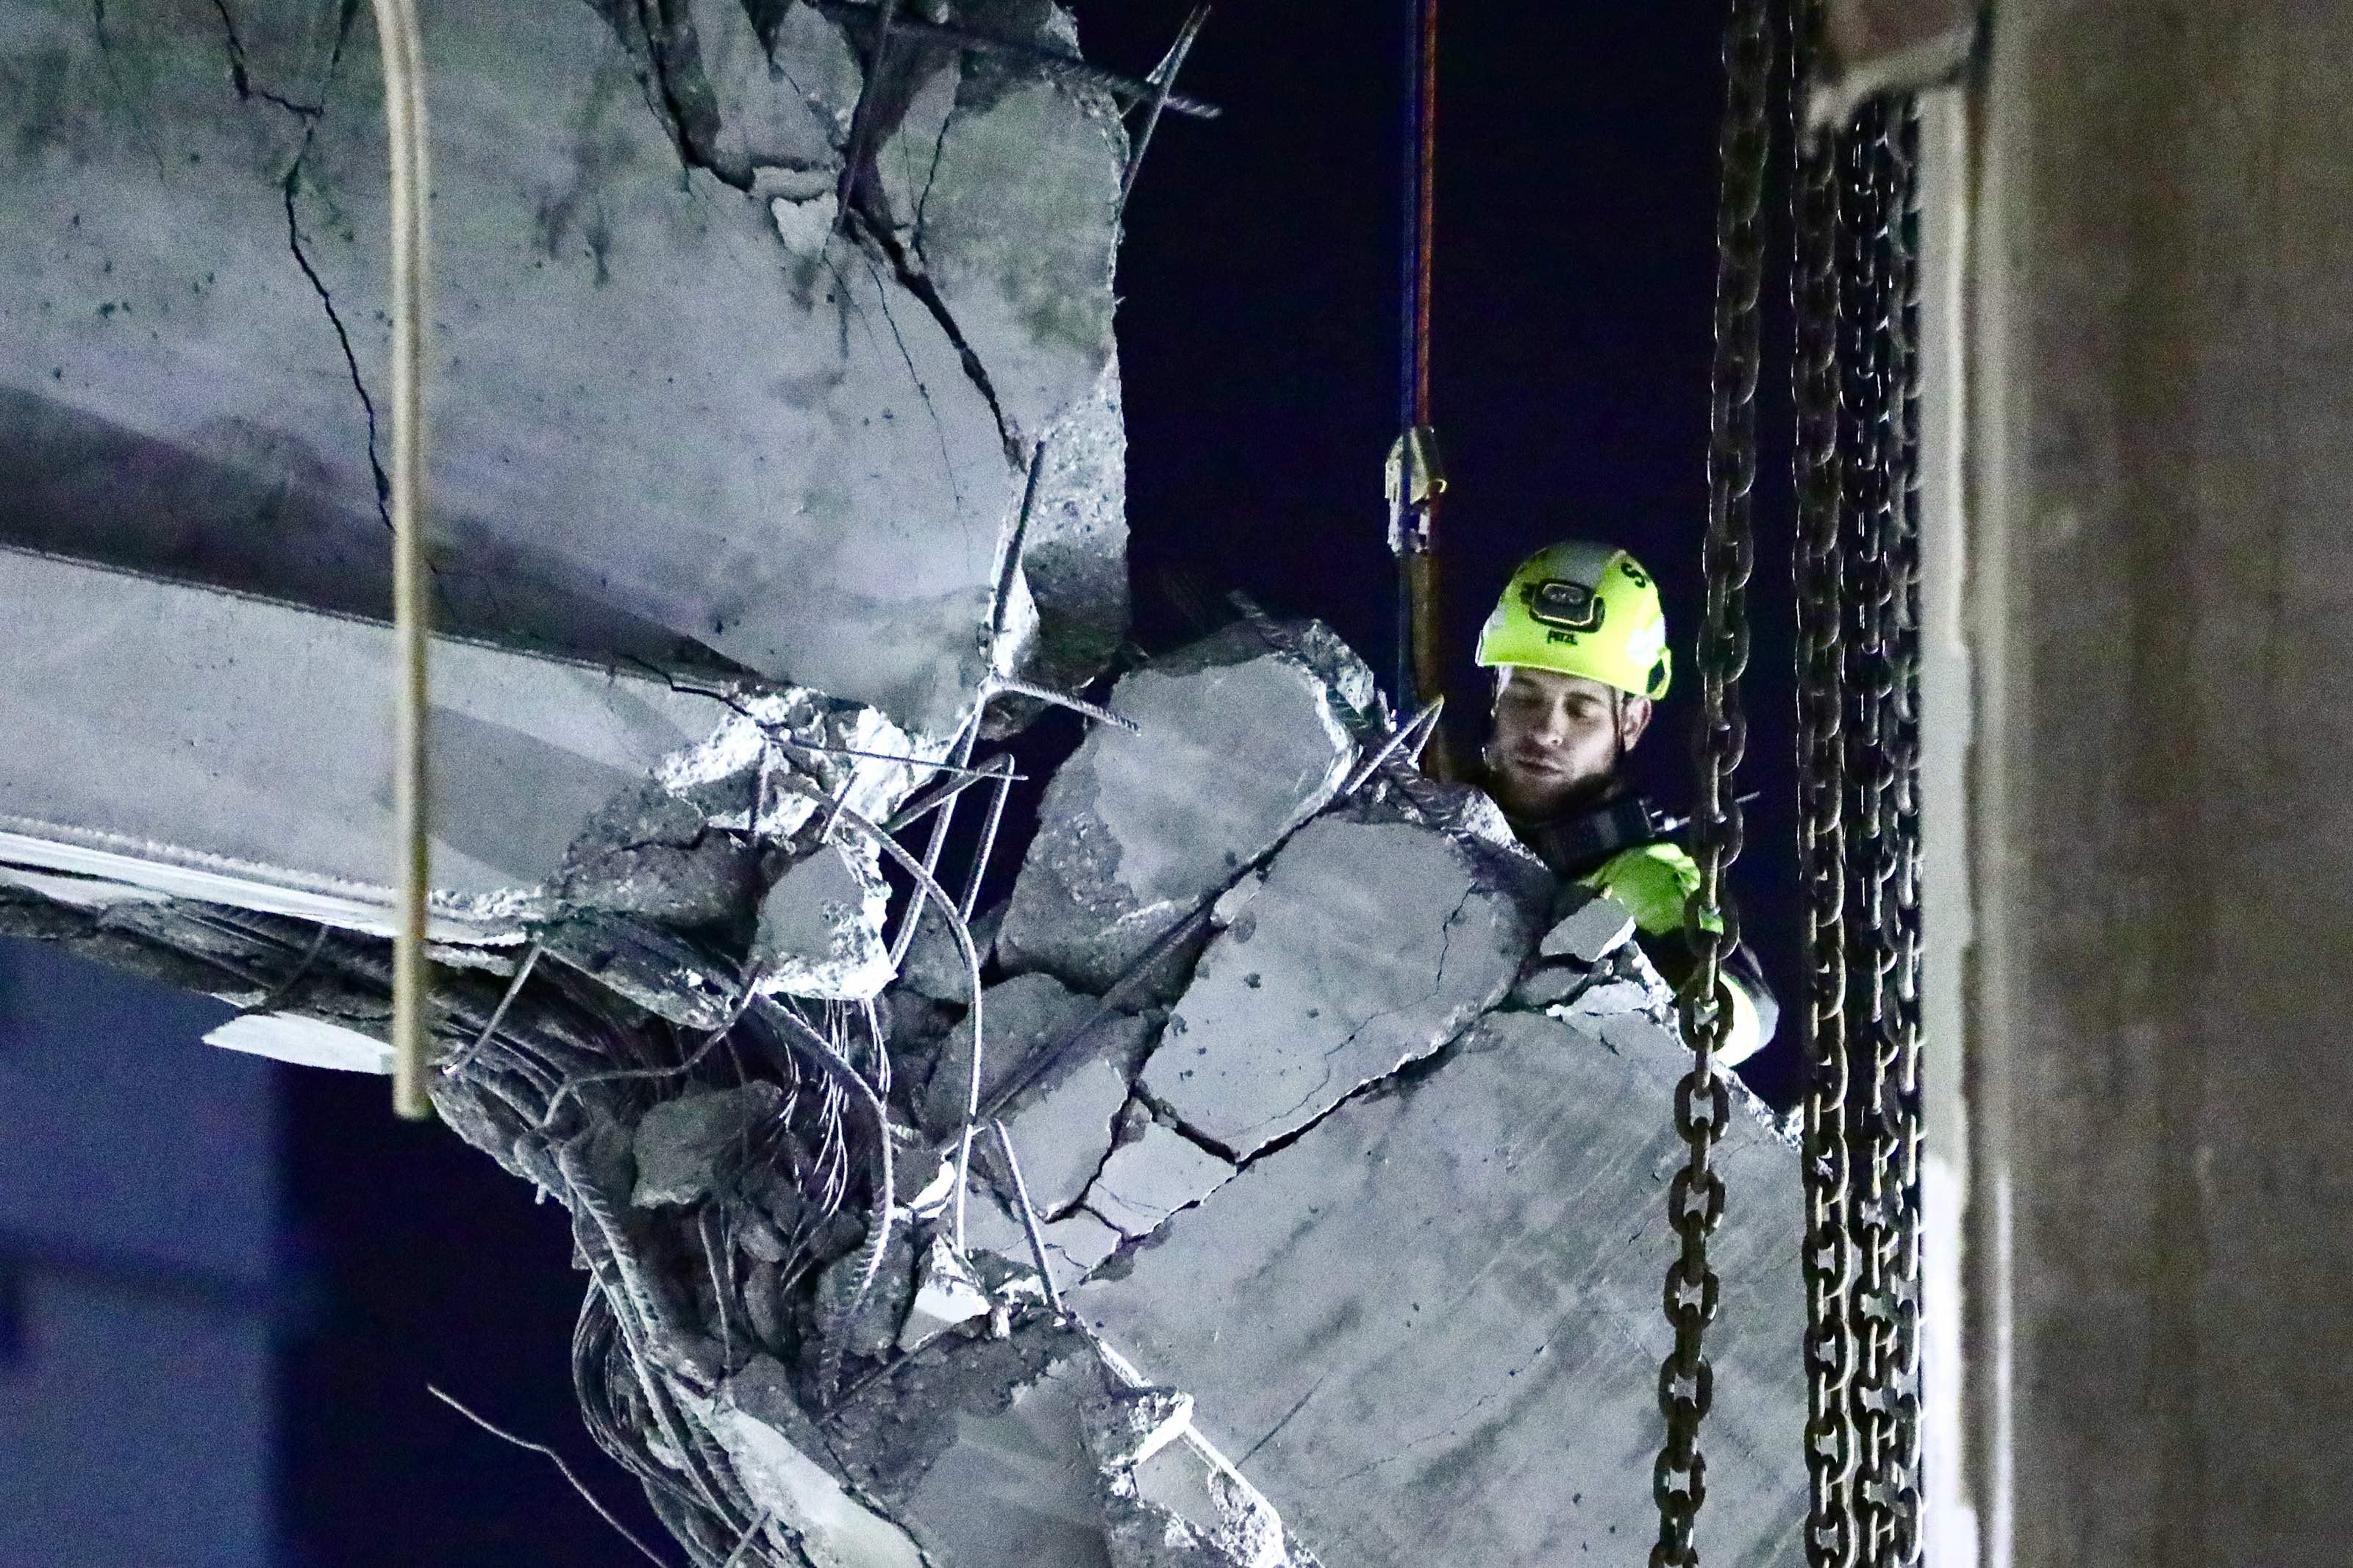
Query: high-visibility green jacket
<point x="1653" y="879"/>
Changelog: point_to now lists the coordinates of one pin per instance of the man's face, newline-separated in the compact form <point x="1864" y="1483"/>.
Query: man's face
<point x="1557" y="738"/>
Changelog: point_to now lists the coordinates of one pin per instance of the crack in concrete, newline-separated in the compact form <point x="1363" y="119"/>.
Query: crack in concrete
<point x="1453" y="1422"/>
<point x="241" y="78"/>
<point x="875" y="229"/>
<point x="1437" y="986"/>
<point x="1273" y="1432"/>
<point x="289" y="187"/>
<point x="681" y="88"/>
<point x="106" y="53"/>
<point x="931" y="178"/>
<point x="947" y="462"/>
<point x="1136" y="1096"/>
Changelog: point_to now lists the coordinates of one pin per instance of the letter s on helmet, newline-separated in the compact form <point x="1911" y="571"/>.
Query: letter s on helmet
<point x="1578" y="608"/>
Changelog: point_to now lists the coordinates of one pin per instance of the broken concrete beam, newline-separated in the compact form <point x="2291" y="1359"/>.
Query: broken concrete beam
<point x="1371" y="944"/>
<point x="1240" y="744"/>
<point x="194" y="744"/>
<point x="821" y="450"/>
<point x="231" y="750"/>
<point x="1432" y="1321"/>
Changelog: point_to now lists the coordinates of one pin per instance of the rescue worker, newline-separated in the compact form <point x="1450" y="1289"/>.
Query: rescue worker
<point x="1578" y="644"/>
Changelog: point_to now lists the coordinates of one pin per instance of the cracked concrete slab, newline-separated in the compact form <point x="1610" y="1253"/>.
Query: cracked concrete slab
<point x="661" y="429"/>
<point x="1240" y="744"/>
<point x="1063" y="1133"/>
<point x="1429" y="1328"/>
<point x="1075" y="1244"/>
<point x="1371" y="944"/>
<point x="1151" y="1178"/>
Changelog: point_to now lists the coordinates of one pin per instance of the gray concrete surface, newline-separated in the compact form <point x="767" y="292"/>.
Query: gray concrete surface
<point x="1240" y="744"/>
<point x="1429" y="1328"/>
<point x="2161" y="423"/>
<point x="218" y="746"/>
<point x="671" y="404"/>
<point x="1370" y="945"/>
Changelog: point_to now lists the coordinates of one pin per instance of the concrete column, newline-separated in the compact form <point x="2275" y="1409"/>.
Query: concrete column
<point x="2160" y="604"/>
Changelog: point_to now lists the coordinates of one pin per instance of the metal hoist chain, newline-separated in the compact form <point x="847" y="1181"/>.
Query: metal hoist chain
<point x="1695" y="1197"/>
<point x="1854" y="379"/>
<point x="1817" y="394"/>
<point x="1902" y="1468"/>
<point x="1864" y="327"/>
<point x="1881" y="672"/>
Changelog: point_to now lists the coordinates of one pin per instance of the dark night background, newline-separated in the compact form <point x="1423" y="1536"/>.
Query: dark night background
<point x="1575" y="258"/>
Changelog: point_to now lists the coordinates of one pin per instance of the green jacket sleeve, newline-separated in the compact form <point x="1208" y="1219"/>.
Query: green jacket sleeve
<point x="1654" y="881"/>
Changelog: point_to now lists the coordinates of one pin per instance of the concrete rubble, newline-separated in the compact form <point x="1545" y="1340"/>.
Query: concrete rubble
<point x="1596" y="926"/>
<point x="1240" y="744"/>
<point x="1334" y="1219"/>
<point x="1350" y="1203"/>
<point x="1369" y="945"/>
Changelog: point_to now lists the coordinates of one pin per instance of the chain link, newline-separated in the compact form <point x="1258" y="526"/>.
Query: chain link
<point x="1816" y="389"/>
<point x="1695" y="1198"/>
<point x="1902" y="1478"/>
<point x="1881" y="753"/>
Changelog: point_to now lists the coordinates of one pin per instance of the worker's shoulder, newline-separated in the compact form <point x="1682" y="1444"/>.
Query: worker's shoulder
<point x="1653" y="881"/>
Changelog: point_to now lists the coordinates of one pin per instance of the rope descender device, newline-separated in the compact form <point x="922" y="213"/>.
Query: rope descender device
<point x="1414" y="476"/>
<point x="1412" y="479"/>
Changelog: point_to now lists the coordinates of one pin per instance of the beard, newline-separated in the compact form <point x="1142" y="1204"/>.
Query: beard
<point x="1539" y="792"/>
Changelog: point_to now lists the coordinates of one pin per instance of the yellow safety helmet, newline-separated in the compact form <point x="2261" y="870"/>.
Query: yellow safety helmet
<point x="1580" y="608"/>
